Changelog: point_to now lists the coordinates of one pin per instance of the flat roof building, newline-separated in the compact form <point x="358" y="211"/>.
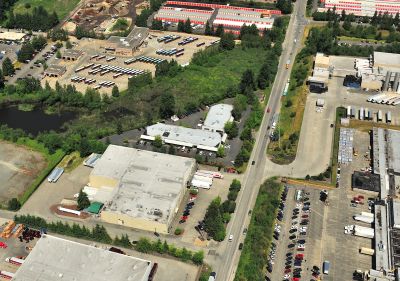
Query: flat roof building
<point x="54" y="259"/>
<point x="54" y="70"/>
<point x="217" y="117"/>
<point x="70" y="54"/>
<point x="126" y="46"/>
<point x="12" y="36"/>
<point x="393" y="141"/>
<point x="183" y="136"/>
<point x="147" y="187"/>
<point x="362" y="7"/>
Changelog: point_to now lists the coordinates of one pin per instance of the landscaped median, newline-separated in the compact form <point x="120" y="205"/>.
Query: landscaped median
<point x="256" y="245"/>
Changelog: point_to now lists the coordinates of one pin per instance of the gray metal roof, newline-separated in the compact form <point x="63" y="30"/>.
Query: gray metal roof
<point x="217" y="117"/>
<point x="133" y="40"/>
<point x="186" y="135"/>
<point x="55" y="259"/>
<point x="386" y="59"/>
<point x="183" y="15"/>
<point x="394" y="150"/>
<point x="149" y="183"/>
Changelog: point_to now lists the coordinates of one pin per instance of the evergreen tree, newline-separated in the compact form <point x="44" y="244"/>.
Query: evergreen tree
<point x="188" y="26"/>
<point x="8" y="67"/>
<point x="208" y="30"/>
<point x="115" y="91"/>
<point x="14" y="205"/>
<point x="220" y="30"/>
<point x="83" y="200"/>
<point x="167" y="105"/>
<point x="227" y="41"/>
<point x="181" y="26"/>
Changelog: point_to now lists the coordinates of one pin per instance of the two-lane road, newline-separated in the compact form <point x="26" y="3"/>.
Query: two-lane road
<point x="228" y="255"/>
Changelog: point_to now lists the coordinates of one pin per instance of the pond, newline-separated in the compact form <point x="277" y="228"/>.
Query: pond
<point x="34" y="121"/>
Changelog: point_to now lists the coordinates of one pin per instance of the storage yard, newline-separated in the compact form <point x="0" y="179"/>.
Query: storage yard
<point x="19" y="167"/>
<point x="362" y="8"/>
<point x="230" y="17"/>
<point x="100" y="16"/>
<point x="104" y="63"/>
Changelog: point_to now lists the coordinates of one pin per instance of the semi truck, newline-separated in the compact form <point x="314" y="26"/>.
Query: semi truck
<point x="6" y="274"/>
<point x="285" y="91"/>
<point x="287" y="64"/>
<point x="362" y="231"/>
<point x="200" y="184"/>
<point x="15" y="261"/>
<point x="361" y="115"/>
<point x="366" y="214"/>
<point x="379" y="116"/>
<point x="364" y="219"/>
<point x="367" y="251"/>
<point x="203" y="178"/>
<point x="349" y="111"/>
<point x="388" y="117"/>
<point x="375" y="98"/>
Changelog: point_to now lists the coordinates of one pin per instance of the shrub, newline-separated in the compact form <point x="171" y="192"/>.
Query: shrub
<point x="178" y="231"/>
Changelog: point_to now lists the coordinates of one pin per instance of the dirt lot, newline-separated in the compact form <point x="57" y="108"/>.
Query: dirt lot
<point x="149" y="48"/>
<point x="19" y="166"/>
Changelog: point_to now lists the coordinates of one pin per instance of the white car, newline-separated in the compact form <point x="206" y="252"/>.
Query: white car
<point x="347" y="231"/>
<point x="293" y="227"/>
<point x="287" y="276"/>
<point x="230" y="238"/>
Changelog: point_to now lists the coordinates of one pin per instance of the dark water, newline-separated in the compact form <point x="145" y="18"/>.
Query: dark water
<point x="34" y="121"/>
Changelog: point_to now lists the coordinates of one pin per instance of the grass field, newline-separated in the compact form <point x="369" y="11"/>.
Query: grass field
<point x="258" y="239"/>
<point x="61" y="7"/>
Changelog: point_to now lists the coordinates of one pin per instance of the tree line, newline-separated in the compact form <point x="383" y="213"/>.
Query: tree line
<point x="5" y="5"/>
<point x="38" y="19"/>
<point x="100" y="234"/>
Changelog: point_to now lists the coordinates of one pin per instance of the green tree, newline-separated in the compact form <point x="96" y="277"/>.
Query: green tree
<point x="158" y="142"/>
<point x="208" y="30"/>
<point x="188" y="26"/>
<point x="219" y="31"/>
<point x="181" y="26"/>
<point x="13" y="205"/>
<point x="213" y="221"/>
<point x="8" y="67"/>
<point x="227" y="41"/>
<point x="68" y="45"/>
<point x="156" y="25"/>
<point x="83" y="200"/>
<point x="231" y="129"/>
<point x="198" y="258"/>
<point x="221" y="151"/>
<point x="26" y="52"/>
<point x="167" y="105"/>
<point x="143" y="245"/>
<point x="115" y="91"/>
<point x="1" y="79"/>
<point x="58" y="54"/>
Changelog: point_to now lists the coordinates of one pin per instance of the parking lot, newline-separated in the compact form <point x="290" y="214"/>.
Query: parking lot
<point x="96" y="65"/>
<point x="220" y="187"/>
<point x="297" y="237"/>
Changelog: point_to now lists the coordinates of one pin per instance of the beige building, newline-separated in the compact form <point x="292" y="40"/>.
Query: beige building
<point x="127" y="46"/>
<point x="145" y="187"/>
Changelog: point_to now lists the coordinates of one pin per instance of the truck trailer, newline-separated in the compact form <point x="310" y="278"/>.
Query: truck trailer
<point x="15" y="261"/>
<point x="367" y="251"/>
<point x="362" y="231"/>
<point x="364" y="219"/>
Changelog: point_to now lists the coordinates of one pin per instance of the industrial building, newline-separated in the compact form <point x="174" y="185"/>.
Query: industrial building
<point x="182" y="136"/>
<point x="231" y="17"/>
<point x="217" y="117"/>
<point x="141" y="189"/>
<point x="54" y="259"/>
<point x="362" y="7"/>
<point x="386" y="164"/>
<point x="12" y="36"/>
<point x="54" y="70"/>
<point x="318" y="82"/>
<point x="126" y="46"/>
<point x="71" y="54"/>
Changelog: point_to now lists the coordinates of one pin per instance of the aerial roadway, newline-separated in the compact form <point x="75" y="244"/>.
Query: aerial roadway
<point x="227" y="256"/>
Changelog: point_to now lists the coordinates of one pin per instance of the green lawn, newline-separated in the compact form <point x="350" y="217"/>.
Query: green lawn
<point x="61" y="7"/>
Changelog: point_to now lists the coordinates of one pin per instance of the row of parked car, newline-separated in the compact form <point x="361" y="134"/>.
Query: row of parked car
<point x="188" y="207"/>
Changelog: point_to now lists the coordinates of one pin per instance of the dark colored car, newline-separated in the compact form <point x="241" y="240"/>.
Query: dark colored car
<point x="240" y="246"/>
<point x="291" y="237"/>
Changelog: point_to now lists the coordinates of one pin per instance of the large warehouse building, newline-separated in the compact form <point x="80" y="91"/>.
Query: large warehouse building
<point x="231" y="17"/>
<point x="145" y="187"/>
<point x="362" y="7"/>
<point x="217" y="117"/>
<point x="54" y="259"/>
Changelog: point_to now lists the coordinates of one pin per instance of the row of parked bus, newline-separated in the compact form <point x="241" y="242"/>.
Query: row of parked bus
<point x="168" y="38"/>
<point x="79" y="79"/>
<point x="103" y="69"/>
<point x="365" y="114"/>
<point x="170" y="52"/>
<point x="187" y="40"/>
<point x="150" y="60"/>
<point x="389" y="99"/>
<point x="100" y="57"/>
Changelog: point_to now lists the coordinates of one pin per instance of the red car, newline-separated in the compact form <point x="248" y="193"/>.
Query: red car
<point x="184" y="218"/>
<point x="304" y="216"/>
<point x="299" y="256"/>
<point x="360" y="197"/>
<point x="287" y="270"/>
<point x="3" y="245"/>
<point x="268" y="110"/>
<point x="295" y="279"/>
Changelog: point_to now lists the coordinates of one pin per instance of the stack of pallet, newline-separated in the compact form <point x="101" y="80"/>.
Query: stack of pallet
<point x="17" y="230"/>
<point x="6" y="233"/>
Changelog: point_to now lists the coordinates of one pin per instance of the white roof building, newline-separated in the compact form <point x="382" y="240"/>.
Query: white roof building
<point x="55" y="259"/>
<point x="217" y="117"/>
<point x="145" y="188"/>
<point x="184" y="136"/>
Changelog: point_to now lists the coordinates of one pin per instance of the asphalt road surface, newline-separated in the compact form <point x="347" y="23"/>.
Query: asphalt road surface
<point x="228" y="255"/>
